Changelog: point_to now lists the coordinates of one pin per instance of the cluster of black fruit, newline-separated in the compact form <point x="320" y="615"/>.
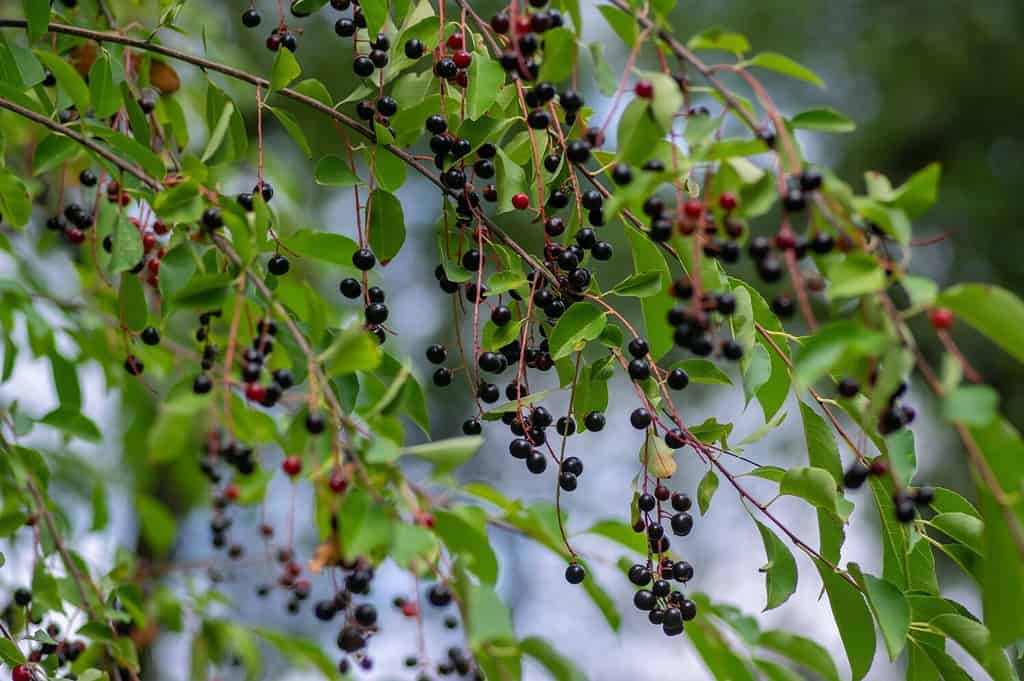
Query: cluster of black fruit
<point x="692" y="321"/>
<point x="906" y="500"/>
<point x="65" y="650"/>
<point x="456" y="660"/>
<point x="375" y="312"/>
<point x="236" y="455"/>
<point x="520" y="58"/>
<point x="666" y="607"/>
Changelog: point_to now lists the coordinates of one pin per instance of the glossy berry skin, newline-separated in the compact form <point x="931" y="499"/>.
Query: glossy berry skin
<point x="442" y="377"/>
<point x="363" y="66"/>
<point x="437" y="354"/>
<point x="644" y="599"/>
<point x="521" y="201"/>
<point x="855" y="475"/>
<point x="681" y="502"/>
<point x="150" y="336"/>
<point x="644" y="89"/>
<point x="640" y="418"/>
<point x="682" y="524"/>
<point x="640" y="575"/>
<point x="941" y="319"/>
<point x="574" y="573"/>
<point x="278" y="265"/>
<point x="594" y="421"/>
<point x="678" y="379"/>
<point x="21" y="673"/>
<point x="202" y="384"/>
<point x="364" y="259"/>
<point x="848" y="387"/>
<point x="414" y="49"/>
<point x="251" y="18"/>
<point x="350" y="288"/>
<point x="292" y="466"/>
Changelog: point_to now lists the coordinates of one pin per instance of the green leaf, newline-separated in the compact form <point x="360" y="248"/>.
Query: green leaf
<point x="311" y="87"/>
<point x="780" y="570"/>
<point x="560" y="667"/>
<point x="334" y="171"/>
<point x="37" y="12"/>
<point x="832" y="343"/>
<point x="853" y="619"/>
<point x="105" y="78"/>
<point x="446" y="455"/>
<point x="488" y="620"/>
<point x="639" y="285"/>
<point x="67" y="78"/>
<point x="205" y="290"/>
<point x="15" y="201"/>
<point x="621" y="533"/>
<point x="23" y="70"/>
<point x="127" y="245"/>
<point x="389" y="170"/>
<point x="703" y="371"/>
<point x="976" y="640"/>
<point x="993" y="311"/>
<point x="353" y="349"/>
<point x="366" y="525"/>
<point x="647" y="258"/>
<point x="638" y="132"/>
<point x="964" y="528"/>
<point x="973" y="405"/>
<point x="133" y="303"/>
<point x="73" y="422"/>
<point x="293" y="129"/>
<point x="622" y="23"/>
<point x="889" y="608"/>
<point x="823" y="119"/>
<point x="803" y="651"/>
<point x="10" y="653"/>
<point x="667" y="100"/>
<point x="463" y="530"/>
<point x="559" y="55"/>
<point x="706" y="489"/>
<point x="1001" y="571"/>
<point x="286" y="69"/>
<point x="387" y="225"/>
<point x="324" y="246"/>
<point x="786" y="66"/>
<point x="300" y="652"/>
<point x="857" y="274"/>
<point x="718" y="39"/>
<point x="100" y="512"/>
<point x="52" y="151"/>
<point x="376" y="13"/>
<point x="582" y="322"/>
<point x="814" y="485"/>
<point x="919" y="193"/>
<point x="486" y="79"/>
<point x="155" y="523"/>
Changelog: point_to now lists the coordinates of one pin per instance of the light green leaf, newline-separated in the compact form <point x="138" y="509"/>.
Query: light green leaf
<point x="889" y="608"/>
<point x="155" y="523"/>
<point x="293" y="129"/>
<point x="334" y="171"/>
<point x="560" y="667"/>
<point x="105" y="78"/>
<point x="823" y="119"/>
<point x="387" y="225"/>
<point x="857" y="274"/>
<point x="780" y="570"/>
<point x="582" y="322"/>
<point x="706" y="490"/>
<point x="286" y="69"/>
<point x="323" y="246"/>
<point x="703" y="371"/>
<point x="994" y="311"/>
<point x="803" y="651"/>
<point x="127" y="245"/>
<point x="486" y="79"/>
<point x="786" y="66"/>
<point x="446" y="455"/>
<point x="559" y="55"/>
<point x="639" y="285"/>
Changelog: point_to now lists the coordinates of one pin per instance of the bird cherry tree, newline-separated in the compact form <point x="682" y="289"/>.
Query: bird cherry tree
<point x="749" y="267"/>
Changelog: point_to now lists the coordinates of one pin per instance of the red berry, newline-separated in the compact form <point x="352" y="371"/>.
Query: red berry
<point x="338" y="482"/>
<point x="462" y="79"/>
<point x="161" y="227"/>
<point x="941" y="318"/>
<point x="292" y="466"/>
<point x="521" y="201"/>
<point x="693" y="209"/>
<point x="153" y="266"/>
<point x="785" y="241"/>
<point x="409" y="609"/>
<point x="148" y="242"/>
<point x="462" y="59"/>
<point x="75" y="235"/>
<point x="231" y="492"/>
<point x="644" y="89"/>
<point x="727" y="201"/>
<point x="255" y="392"/>
<point x="455" y="41"/>
<point x="879" y="467"/>
<point x="21" y="673"/>
<point x="523" y="23"/>
<point x="424" y="519"/>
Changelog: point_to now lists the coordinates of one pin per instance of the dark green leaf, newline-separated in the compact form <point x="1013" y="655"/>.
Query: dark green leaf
<point x="387" y="225"/>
